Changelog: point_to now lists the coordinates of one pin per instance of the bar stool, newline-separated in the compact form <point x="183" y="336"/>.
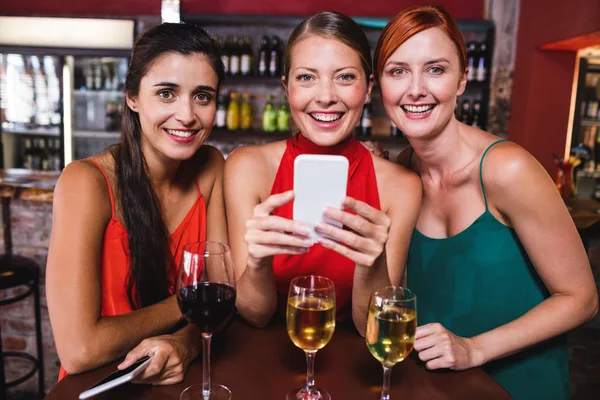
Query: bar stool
<point x="20" y="271"/>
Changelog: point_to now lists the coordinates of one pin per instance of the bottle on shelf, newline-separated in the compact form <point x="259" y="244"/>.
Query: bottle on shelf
<point x="465" y="112"/>
<point x="97" y="76"/>
<point x="283" y="116"/>
<point x="476" y="114"/>
<point x="275" y="58"/>
<point x="234" y="57"/>
<point x="28" y="154"/>
<point x="54" y="159"/>
<point x="246" y="113"/>
<point x="44" y="156"/>
<point x="246" y="56"/>
<point x="481" y="64"/>
<point x="364" y="127"/>
<point x="263" y="57"/>
<point x="269" y="116"/>
<point x="233" y="112"/>
<point x="225" y="53"/>
<point x="221" y="115"/>
<point x="471" y="54"/>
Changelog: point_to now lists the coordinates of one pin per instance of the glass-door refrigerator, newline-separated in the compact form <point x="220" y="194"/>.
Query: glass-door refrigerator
<point x="61" y="88"/>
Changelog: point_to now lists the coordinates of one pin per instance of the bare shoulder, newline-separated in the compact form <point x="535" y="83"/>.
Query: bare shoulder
<point x="397" y="185"/>
<point x="255" y="160"/>
<point x="507" y="166"/>
<point x="82" y="185"/>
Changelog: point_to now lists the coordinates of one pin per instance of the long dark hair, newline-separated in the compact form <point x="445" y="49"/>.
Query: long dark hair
<point x="149" y="250"/>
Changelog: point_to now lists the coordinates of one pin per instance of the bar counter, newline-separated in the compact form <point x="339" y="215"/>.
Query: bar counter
<point x="264" y="364"/>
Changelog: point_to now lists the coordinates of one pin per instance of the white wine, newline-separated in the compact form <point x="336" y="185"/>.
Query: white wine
<point x="391" y="333"/>
<point x="310" y="321"/>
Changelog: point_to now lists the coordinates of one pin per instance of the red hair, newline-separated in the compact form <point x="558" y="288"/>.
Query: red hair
<point x="411" y="21"/>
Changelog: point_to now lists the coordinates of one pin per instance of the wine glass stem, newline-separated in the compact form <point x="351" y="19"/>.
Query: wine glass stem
<point x="385" y="390"/>
<point x="310" y="370"/>
<point x="206" y="364"/>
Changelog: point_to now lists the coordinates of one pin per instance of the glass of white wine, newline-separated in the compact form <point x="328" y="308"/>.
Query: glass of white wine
<point x="310" y="324"/>
<point x="391" y="326"/>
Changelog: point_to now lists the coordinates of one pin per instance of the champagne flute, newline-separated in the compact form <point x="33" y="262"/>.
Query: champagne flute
<point x="206" y="298"/>
<point x="391" y="326"/>
<point x="310" y="324"/>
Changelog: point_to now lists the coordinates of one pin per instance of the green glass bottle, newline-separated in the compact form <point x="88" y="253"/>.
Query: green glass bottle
<point x="283" y="116"/>
<point x="269" y="116"/>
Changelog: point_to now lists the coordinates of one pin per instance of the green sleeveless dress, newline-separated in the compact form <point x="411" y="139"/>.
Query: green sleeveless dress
<point x="482" y="278"/>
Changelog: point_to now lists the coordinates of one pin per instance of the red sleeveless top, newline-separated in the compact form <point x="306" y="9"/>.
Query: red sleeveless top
<point x="115" y="255"/>
<point x="362" y="185"/>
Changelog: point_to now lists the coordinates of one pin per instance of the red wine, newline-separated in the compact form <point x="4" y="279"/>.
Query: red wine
<point x="208" y="305"/>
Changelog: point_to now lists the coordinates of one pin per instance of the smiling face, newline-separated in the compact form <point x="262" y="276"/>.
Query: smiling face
<point x="326" y="88"/>
<point x="420" y="82"/>
<point x="176" y="105"/>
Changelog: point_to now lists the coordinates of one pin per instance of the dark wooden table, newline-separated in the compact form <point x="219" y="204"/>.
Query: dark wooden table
<point x="264" y="364"/>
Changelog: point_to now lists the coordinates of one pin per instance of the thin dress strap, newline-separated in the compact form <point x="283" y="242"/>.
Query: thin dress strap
<point x="481" y="170"/>
<point x="112" y="201"/>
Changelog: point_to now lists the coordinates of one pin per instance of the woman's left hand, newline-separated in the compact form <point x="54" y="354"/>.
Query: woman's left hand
<point x="171" y="361"/>
<point x="365" y="235"/>
<point x="440" y="348"/>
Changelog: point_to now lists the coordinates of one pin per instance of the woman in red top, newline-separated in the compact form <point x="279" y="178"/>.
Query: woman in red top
<point x="122" y="217"/>
<point x="327" y="79"/>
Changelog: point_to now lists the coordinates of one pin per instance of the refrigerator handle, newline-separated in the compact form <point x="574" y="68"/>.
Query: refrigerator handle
<point x="68" y="78"/>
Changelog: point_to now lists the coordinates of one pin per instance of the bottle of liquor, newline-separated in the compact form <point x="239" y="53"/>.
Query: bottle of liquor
<point x="234" y="56"/>
<point x="44" y="156"/>
<point x="246" y="113"/>
<point x="476" y="114"/>
<point x="471" y="54"/>
<point x="283" y="116"/>
<point x="263" y="57"/>
<point x="269" y="116"/>
<point x="364" y="129"/>
<point x="481" y="65"/>
<point x="465" y="112"/>
<point x="233" y="112"/>
<point x="54" y="155"/>
<point x="97" y="76"/>
<point x="246" y="58"/>
<point x="275" y="59"/>
<point x="36" y="155"/>
<point x="221" y="115"/>
<point x="28" y="154"/>
<point x="225" y="53"/>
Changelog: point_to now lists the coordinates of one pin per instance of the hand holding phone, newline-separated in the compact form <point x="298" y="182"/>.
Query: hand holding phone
<point x="319" y="181"/>
<point x="117" y="378"/>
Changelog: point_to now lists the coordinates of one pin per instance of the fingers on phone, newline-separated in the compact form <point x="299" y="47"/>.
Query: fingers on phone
<point x="272" y="202"/>
<point x="278" y="224"/>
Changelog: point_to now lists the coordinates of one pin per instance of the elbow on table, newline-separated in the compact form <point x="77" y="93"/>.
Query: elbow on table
<point x="77" y="360"/>
<point x="254" y="317"/>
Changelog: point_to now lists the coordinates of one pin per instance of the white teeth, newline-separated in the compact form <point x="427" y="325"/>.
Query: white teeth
<point x="183" y="134"/>
<point x="417" y="109"/>
<point x="326" y="117"/>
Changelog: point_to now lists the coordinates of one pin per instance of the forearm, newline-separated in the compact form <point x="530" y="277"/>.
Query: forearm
<point x="365" y="280"/>
<point x="256" y="295"/>
<point x="112" y="337"/>
<point x="554" y="316"/>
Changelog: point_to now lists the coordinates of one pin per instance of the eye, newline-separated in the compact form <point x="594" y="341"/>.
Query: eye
<point x="436" y="70"/>
<point x="203" y="98"/>
<point x="304" y="78"/>
<point x="347" y="78"/>
<point x="165" y="94"/>
<point x="397" y="72"/>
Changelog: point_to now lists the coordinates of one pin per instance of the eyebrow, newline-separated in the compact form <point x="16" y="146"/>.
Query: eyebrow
<point x="315" y="70"/>
<point x="403" y="64"/>
<point x="174" y="85"/>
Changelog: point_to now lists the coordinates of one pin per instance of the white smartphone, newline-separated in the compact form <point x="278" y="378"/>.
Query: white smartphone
<point x="117" y="378"/>
<point x="319" y="181"/>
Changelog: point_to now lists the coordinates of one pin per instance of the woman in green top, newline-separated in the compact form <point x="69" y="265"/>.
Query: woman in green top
<point x="495" y="259"/>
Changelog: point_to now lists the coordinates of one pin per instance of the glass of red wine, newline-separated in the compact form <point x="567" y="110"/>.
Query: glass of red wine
<point x="206" y="298"/>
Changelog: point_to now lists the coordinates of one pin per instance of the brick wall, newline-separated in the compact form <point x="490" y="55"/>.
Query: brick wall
<point x="31" y="223"/>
